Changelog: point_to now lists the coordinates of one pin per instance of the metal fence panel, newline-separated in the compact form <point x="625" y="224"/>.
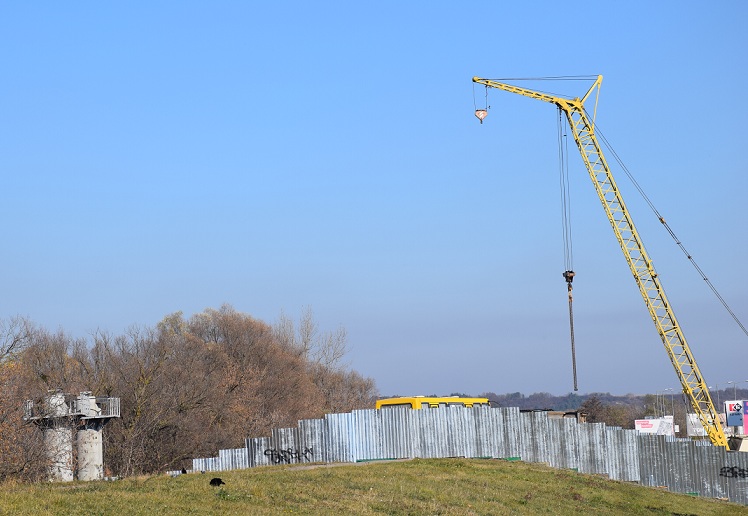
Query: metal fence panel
<point x="380" y="445"/>
<point x="366" y="435"/>
<point x="681" y="458"/>
<point x="429" y="431"/>
<point x="311" y="439"/>
<point x="232" y="459"/>
<point x="704" y="475"/>
<point x="340" y="435"/>
<point x="712" y="464"/>
<point x="629" y="451"/>
<point x="621" y="458"/>
<point x="536" y="445"/>
<point x="646" y="477"/>
<point x="592" y="448"/>
<point x="512" y="429"/>
<point x="397" y="432"/>
<point x="285" y="447"/>
<point x="489" y="439"/>
<point x="460" y="423"/>
<point x="256" y="449"/>
<point x="733" y="472"/>
<point x="565" y="433"/>
<point x="422" y="433"/>
<point x="547" y="448"/>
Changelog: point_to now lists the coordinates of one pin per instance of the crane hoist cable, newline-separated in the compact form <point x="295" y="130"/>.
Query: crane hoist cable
<point x="568" y="273"/>
<point x="670" y="231"/>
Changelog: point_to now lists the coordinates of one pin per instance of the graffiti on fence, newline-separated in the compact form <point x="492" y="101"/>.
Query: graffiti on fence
<point x="290" y="455"/>
<point x="733" y="472"/>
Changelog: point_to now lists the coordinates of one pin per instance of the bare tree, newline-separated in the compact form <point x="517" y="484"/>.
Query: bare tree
<point x="324" y="353"/>
<point x="306" y="340"/>
<point x="14" y="336"/>
<point x="21" y="451"/>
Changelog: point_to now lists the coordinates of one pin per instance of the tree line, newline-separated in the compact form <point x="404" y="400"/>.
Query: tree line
<point x="599" y="407"/>
<point x="188" y="387"/>
<point x="191" y="386"/>
<point x="622" y="411"/>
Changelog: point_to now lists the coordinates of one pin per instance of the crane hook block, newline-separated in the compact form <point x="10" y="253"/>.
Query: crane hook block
<point x="481" y="114"/>
<point x="569" y="277"/>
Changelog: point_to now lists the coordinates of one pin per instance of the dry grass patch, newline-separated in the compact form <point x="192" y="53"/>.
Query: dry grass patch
<point x="439" y="486"/>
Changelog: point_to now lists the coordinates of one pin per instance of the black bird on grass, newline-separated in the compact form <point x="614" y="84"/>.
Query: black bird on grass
<point x="215" y="482"/>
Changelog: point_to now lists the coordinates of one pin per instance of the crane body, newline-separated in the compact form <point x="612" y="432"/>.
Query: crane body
<point x="583" y="129"/>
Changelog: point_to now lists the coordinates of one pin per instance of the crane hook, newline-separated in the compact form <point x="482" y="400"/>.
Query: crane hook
<point x="569" y="277"/>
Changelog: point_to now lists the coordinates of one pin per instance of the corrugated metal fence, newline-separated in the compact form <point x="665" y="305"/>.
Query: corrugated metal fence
<point x="681" y="465"/>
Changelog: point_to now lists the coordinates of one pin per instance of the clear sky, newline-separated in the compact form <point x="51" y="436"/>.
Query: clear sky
<point x="173" y="156"/>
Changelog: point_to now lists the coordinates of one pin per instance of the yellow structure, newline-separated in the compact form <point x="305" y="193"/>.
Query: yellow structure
<point x="418" y="402"/>
<point x="583" y="128"/>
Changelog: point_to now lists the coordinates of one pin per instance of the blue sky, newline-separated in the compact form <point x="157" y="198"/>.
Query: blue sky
<point x="173" y="156"/>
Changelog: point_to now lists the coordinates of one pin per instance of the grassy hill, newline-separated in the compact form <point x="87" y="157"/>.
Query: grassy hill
<point x="439" y="486"/>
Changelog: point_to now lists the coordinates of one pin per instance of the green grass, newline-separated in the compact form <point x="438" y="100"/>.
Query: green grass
<point x="439" y="486"/>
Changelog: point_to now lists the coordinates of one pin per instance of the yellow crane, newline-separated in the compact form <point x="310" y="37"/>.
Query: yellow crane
<point x="583" y="129"/>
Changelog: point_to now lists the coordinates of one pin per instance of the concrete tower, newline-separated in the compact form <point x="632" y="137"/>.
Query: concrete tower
<point x="57" y="415"/>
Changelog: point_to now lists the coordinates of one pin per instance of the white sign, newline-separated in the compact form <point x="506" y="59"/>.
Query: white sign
<point x="657" y="426"/>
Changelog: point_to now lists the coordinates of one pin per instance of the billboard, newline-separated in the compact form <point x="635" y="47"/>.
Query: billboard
<point x="737" y="413"/>
<point x="658" y="426"/>
<point x="694" y="426"/>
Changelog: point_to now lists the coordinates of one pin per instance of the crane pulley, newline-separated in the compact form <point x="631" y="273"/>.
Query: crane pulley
<point x="583" y="129"/>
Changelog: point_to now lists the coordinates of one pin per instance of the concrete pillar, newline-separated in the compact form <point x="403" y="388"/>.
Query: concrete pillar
<point x="58" y="441"/>
<point x="90" y="447"/>
<point x="90" y="451"/>
<point x="58" y="438"/>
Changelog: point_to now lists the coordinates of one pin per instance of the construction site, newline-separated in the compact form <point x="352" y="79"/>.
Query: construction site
<point x="708" y="462"/>
<point x="349" y="219"/>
